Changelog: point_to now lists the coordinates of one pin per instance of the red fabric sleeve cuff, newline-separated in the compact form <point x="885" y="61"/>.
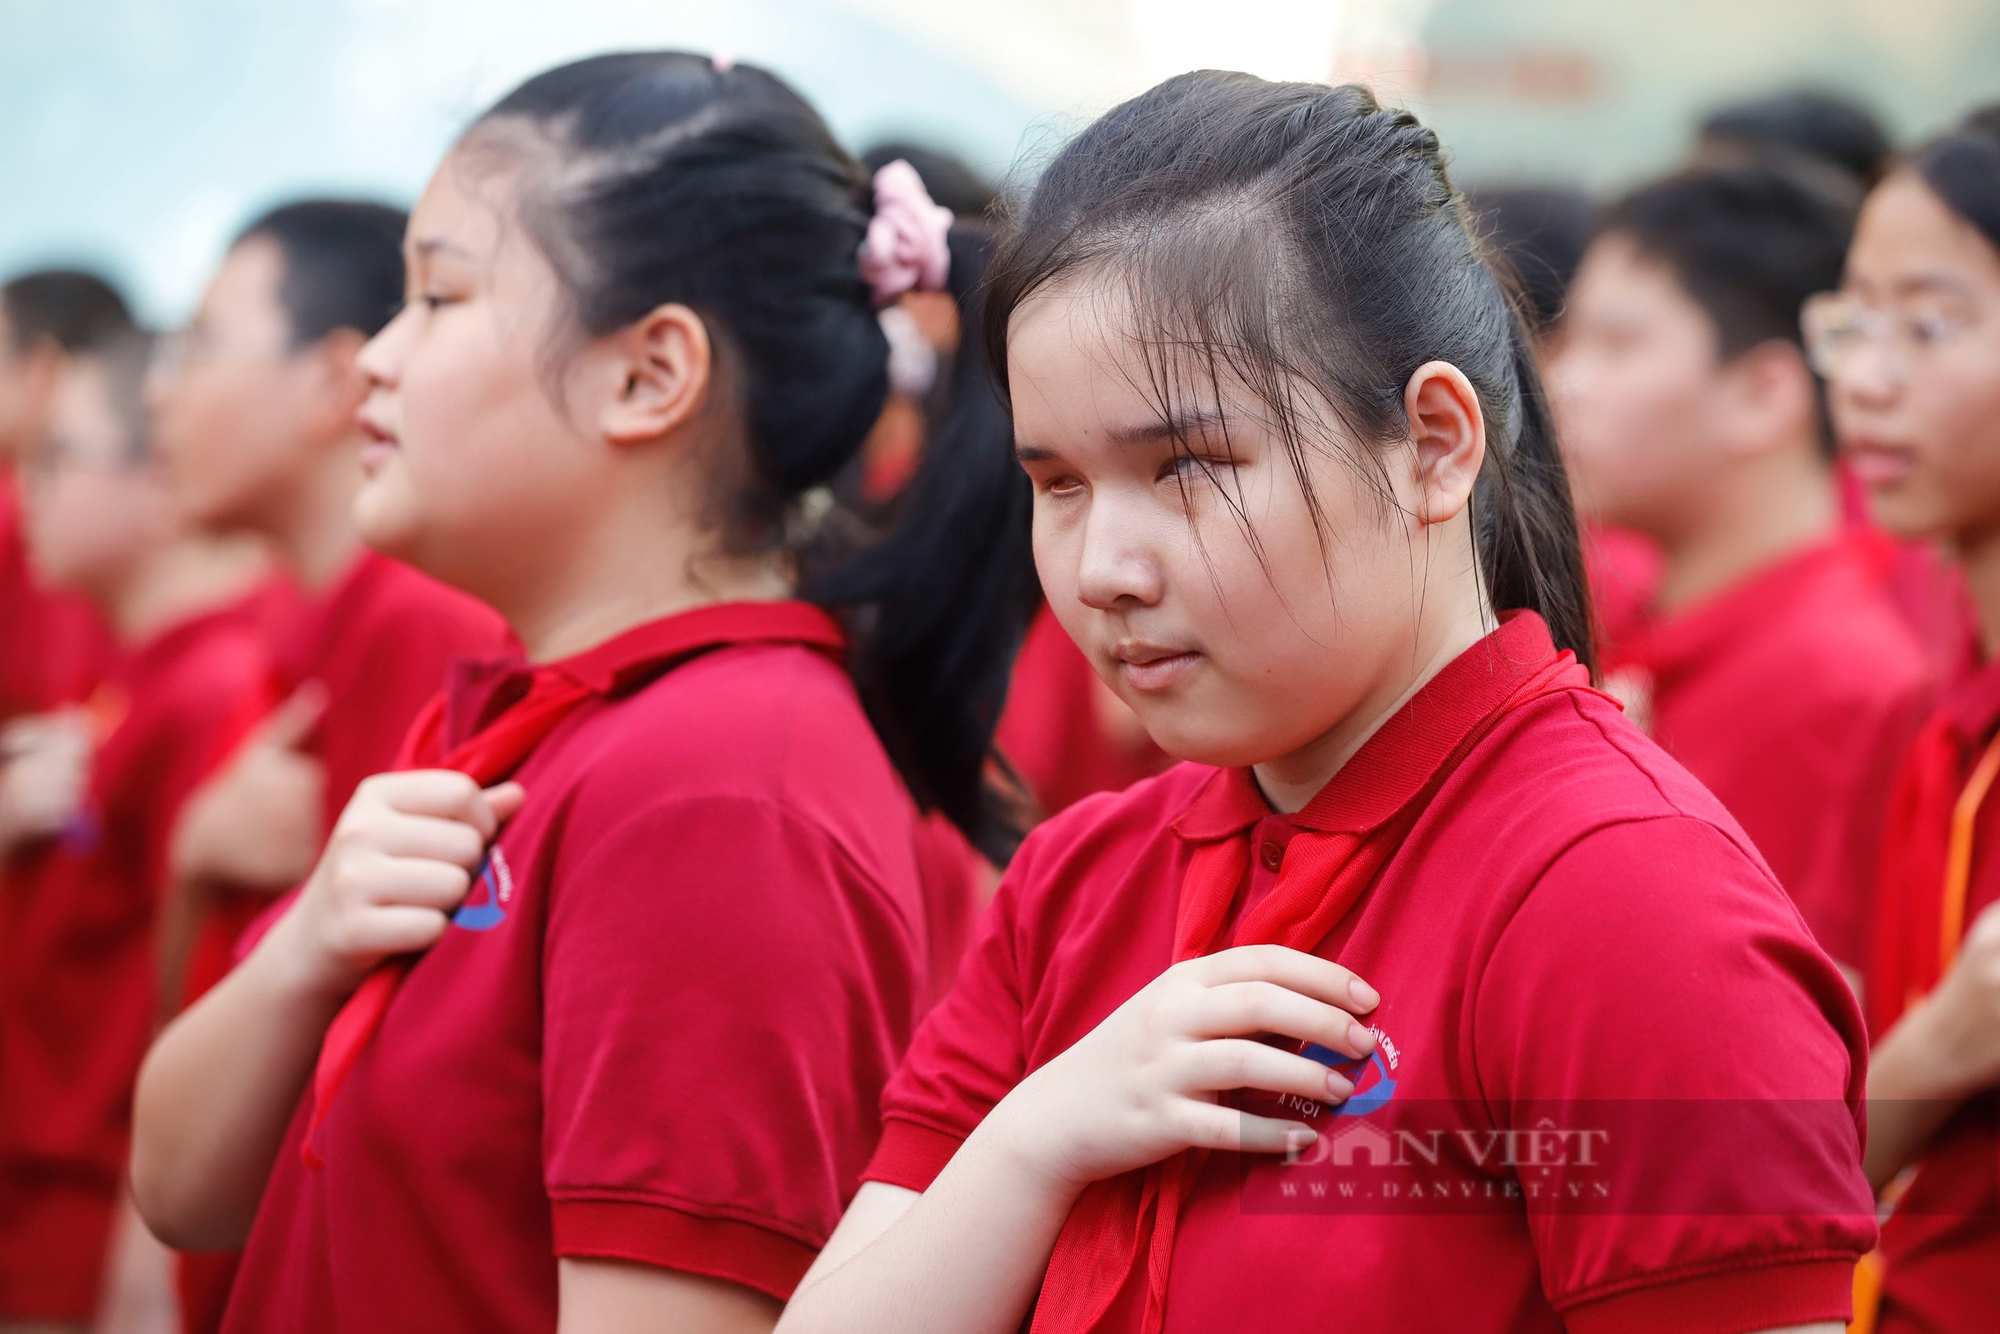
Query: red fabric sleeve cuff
<point x="910" y="1155"/>
<point x="1736" y="1301"/>
<point x="662" y="1236"/>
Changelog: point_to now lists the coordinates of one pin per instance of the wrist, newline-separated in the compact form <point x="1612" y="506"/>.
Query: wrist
<point x="301" y="970"/>
<point x="1017" y="1142"/>
<point x="1927" y="1058"/>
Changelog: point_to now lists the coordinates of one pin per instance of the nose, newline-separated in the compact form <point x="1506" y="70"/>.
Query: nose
<point x="379" y="358"/>
<point x="1867" y="377"/>
<point x="1117" y="567"/>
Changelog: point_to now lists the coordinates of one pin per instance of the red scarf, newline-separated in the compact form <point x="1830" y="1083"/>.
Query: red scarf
<point x="497" y="749"/>
<point x="1927" y="850"/>
<point x="1351" y="829"/>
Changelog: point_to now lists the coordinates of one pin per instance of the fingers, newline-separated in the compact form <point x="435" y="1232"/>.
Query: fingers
<point x="383" y="881"/>
<point x="1307" y="974"/>
<point x="443" y="794"/>
<point x="1238" y="1008"/>
<point x="505" y="800"/>
<point x="287" y="726"/>
<point x="1240" y="1063"/>
<point x="1205" y="1125"/>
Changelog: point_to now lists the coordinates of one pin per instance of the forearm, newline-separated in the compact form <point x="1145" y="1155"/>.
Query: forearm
<point x="968" y="1255"/>
<point x="217" y="1092"/>
<point x="1907" y="1098"/>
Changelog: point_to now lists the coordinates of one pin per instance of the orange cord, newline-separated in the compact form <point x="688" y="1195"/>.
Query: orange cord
<point x="1958" y="857"/>
<point x="1870" y="1272"/>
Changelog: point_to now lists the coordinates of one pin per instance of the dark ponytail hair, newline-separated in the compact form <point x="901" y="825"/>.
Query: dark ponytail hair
<point x="1300" y="237"/>
<point x="1963" y="169"/>
<point x="676" y="179"/>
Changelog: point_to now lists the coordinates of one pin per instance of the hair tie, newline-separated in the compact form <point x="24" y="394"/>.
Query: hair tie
<point x="906" y="247"/>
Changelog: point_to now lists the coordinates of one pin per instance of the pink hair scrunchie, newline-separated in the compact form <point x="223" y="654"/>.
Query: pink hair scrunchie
<point x="905" y="248"/>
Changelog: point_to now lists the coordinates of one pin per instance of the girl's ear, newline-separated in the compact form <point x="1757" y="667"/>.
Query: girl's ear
<point x="1447" y="438"/>
<point x="664" y="363"/>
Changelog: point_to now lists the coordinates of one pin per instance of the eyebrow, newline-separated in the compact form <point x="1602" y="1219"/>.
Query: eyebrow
<point x="1930" y="283"/>
<point x="1174" y="426"/>
<point x="430" y="245"/>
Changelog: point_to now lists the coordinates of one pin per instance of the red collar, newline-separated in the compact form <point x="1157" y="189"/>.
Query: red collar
<point x="643" y="652"/>
<point x="1392" y="766"/>
<point x="1713" y="628"/>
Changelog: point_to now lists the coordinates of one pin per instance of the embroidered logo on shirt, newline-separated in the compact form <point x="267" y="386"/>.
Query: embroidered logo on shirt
<point x="492" y="889"/>
<point x="1372" y="1075"/>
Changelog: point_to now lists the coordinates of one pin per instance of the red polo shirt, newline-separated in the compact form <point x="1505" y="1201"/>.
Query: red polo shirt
<point x="78" y="995"/>
<point x="1573" y="938"/>
<point x="657" y="1031"/>
<point x="53" y="645"/>
<point x="1941" y="1246"/>
<point x="1792" y="695"/>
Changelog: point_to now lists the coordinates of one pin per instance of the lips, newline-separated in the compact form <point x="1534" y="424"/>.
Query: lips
<point x="1149" y="667"/>
<point x="380" y="444"/>
<point x="1877" y="463"/>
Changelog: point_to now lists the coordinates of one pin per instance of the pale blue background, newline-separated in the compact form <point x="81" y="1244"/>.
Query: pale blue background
<point x="136" y="135"/>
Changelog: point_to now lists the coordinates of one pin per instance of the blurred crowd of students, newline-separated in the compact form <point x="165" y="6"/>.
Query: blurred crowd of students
<point x="1776" y="377"/>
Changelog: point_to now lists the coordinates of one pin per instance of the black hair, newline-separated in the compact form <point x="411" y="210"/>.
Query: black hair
<point x="1301" y="237"/>
<point x="1537" y="234"/>
<point x="124" y="358"/>
<point x="1820" y="125"/>
<point x="343" y="264"/>
<point x="1749" y="242"/>
<point x="1963" y="169"/>
<point x="77" y="310"/>
<point x="950" y="179"/>
<point x="720" y="189"/>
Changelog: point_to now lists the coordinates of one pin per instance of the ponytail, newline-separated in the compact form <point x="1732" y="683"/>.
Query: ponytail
<point x="1524" y="529"/>
<point x="941" y="601"/>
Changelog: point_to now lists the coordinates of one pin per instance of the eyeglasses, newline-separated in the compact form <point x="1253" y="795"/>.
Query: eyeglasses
<point x="1839" y="328"/>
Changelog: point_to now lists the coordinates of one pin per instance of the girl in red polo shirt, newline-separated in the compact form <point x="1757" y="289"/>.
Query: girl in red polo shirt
<point x="583" y="1018"/>
<point x="1297" y="498"/>
<point x="1910" y="346"/>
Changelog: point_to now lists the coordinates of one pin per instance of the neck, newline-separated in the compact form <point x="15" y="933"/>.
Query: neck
<point x="1980" y="558"/>
<point x="188" y="576"/>
<point x="611" y="571"/>
<point x="314" y="530"/>
<point x="1291" y="781"/>
<point x="1779" y="503"/>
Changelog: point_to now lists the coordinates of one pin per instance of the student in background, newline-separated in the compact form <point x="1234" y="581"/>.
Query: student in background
<point x="51" y="643"/>
<point x="1810" y="127"/>
<point x="582" y="1019"/>
<point x="1773" y="664"/>
<point x="1806" y="123"/>
<point x="86" y="811"/>
<point x="255" y="405"/>
<point x="1297" y="493"/>
<point x="1911" y="348"/>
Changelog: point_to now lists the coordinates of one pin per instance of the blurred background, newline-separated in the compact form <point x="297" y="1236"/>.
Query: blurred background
<point x="139" y="134"/>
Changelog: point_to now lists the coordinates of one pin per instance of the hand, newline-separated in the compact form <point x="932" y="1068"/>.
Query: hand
<point x="44" y="767"/>
<point x="258" y="822"/>
<point x="1962" y="1015"/>
<point x="401" y="858"/>
<point x="1143" y="1084"/>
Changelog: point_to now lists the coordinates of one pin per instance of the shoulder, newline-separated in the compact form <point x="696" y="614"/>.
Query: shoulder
<point x="769" y="736"/>
<point x="1072" y="864"/>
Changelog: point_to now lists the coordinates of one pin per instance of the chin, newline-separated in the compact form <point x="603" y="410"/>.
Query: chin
<point x="386" y="518"/>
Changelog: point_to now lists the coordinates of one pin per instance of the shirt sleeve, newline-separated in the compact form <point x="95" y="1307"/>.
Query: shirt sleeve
<point x="726" y="993"/>
<point x="968" y="1054"/>
<point x="1657" y="993"/>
